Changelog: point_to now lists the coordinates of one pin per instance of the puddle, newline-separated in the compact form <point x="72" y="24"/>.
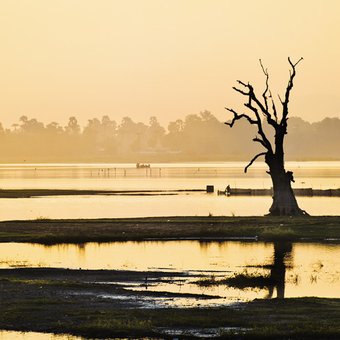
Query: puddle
<point x="257" y="269"/>
<point x="147" y="302"/>
<point x="203" y="332"/>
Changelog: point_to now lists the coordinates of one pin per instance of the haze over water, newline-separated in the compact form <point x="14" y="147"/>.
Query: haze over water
<point x="176" y="176"/>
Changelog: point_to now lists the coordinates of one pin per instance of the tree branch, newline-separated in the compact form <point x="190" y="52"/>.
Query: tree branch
<point x="240" y="91"/>
<point x="259" y="140"/>
<point x="266" y="142"/>
<point x="238" y="117"/>
<point x="273" y="106"/>
<point x="264" y="94"/>
<point x="290" y="85"/>
<point x="251" y="96"/>
<point x="254" y="159"/>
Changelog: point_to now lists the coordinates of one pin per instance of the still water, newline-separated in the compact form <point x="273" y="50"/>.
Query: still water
<point x="318" y="175"/>
<point x="13" y="335"/>
<point x="292" y="270"/>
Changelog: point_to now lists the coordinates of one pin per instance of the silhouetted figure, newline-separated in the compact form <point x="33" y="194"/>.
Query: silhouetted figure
<point x="146" y="282"/>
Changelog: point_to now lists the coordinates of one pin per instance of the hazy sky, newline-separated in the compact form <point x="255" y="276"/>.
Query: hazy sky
<point x="167" y="58"/>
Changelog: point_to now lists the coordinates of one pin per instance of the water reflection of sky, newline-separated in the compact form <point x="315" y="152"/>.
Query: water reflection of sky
<point x="14" y="335"/>
<point x="319" y="175"/>
<point x="145" y="206"/>
<point x="292" y="270"/>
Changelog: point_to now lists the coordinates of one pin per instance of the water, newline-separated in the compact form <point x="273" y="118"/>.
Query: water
<point x="319" y="175"/>
<point x="295" y="270"/>
<point x="288" y="270"/>
<point x="14" y="335"/>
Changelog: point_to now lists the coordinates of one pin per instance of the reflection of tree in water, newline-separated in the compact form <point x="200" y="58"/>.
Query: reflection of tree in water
<point x="278" y="269"/>
<point x="276" y="278"/>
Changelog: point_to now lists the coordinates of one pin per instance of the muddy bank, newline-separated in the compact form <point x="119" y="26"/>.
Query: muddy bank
<point x="45" y="231"/>
<point x="65" y="301"/>
<point x="114" y="284"/>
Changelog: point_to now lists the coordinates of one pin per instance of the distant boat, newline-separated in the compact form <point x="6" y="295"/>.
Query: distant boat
<point x="142" y="166"/>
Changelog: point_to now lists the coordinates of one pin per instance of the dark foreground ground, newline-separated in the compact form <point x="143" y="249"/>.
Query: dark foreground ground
<point x="82" y="302"/>
<point x="45" y="231"/>
<point x="73" y="302"/>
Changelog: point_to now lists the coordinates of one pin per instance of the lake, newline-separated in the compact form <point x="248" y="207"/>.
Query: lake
<point x="219" y="273"/>
<point x="289" y="270"/>
<point x="317" y="175"/>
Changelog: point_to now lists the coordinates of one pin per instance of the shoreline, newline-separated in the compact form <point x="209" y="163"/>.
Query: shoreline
<point x="94" y="303"/>
<point x="77" y="302"/>
<point x="28" y="193"/>
<point x="209" y="228"/>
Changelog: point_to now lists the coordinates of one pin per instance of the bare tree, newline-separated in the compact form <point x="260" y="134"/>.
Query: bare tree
<point x="264" y="111"/>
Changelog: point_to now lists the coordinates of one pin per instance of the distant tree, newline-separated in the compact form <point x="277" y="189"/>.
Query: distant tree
<point x="15" y="126"/>
<point x="176" y="127"/>
<point x="108" y="127"/>
<point x="131" y="135"/>
<point x="173" y="139"/>
<point x="108" y="135"/>
<point x="284" y="201"/>
<point x="54" y="128"/>
<point x="72" y="127"/>
<point x="207" y="116"/>
<point x="93" y="128"/>
<point x="156" y="132"/>
<point x="31" y="126"/>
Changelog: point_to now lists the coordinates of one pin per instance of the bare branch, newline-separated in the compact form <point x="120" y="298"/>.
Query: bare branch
<point x="293" y="65"/>
<point x="266" y="113"/>
<point x="280" y="99"/>
<point x="238" y="117"/>
<point x="251" y="96"/>
<point x="266" y="142"/>
<point x="254" y="159"/>
<point x="273" y="106"/>
<point x="264" y="94"/>
<point x="242" y="83"/>
<point x="259" y="140"/>
<point x="240" y="91"/>
<point x="290" y="85"/>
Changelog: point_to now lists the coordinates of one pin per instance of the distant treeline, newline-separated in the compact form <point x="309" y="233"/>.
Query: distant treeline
<point x="198" y="137"/>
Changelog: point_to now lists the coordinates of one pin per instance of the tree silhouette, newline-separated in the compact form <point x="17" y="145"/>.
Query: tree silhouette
<point x="284" y="201"/>
<point x="73" y="127"/>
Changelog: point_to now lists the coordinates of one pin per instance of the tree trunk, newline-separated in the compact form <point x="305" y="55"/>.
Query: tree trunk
<point x="284" y="201"/>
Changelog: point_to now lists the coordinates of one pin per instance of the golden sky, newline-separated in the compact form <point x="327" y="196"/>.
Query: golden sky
<point x="167" y="58"/>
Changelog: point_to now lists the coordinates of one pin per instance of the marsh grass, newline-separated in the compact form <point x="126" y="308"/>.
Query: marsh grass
<point x="47" y="231"/>
<point x="246" y="280"/>
<point x="240" y="281"/>
<point x="42" y="218"/>
<point x="208" y="281"/>
<point x="278" y="233"/>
